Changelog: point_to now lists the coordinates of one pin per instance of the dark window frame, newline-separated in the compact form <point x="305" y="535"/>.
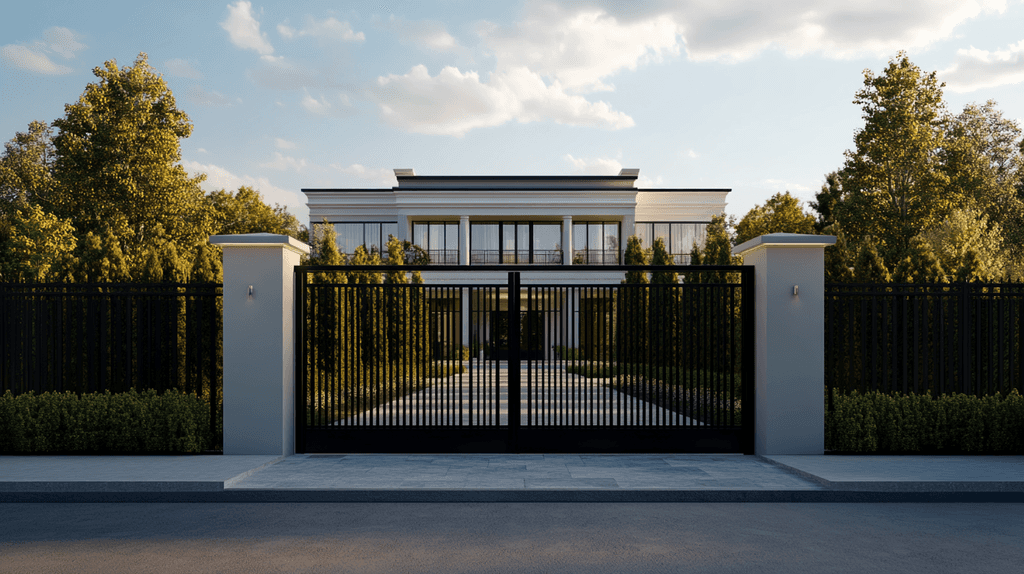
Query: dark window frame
<point x="533" y="257"/>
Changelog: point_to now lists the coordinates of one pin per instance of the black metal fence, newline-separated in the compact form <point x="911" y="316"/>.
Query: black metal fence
<point x="924" y="338"/>
<point x="112" y="336"/>
<point x="514" y="367"/>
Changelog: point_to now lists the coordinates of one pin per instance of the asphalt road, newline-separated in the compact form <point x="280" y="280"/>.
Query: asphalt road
<point x="563" y="538"/>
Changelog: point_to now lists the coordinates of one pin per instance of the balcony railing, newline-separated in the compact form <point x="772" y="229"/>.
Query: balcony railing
<point x="443" y="256"/>
<point x="495" y="257"/>
<point x="595" y="257"/>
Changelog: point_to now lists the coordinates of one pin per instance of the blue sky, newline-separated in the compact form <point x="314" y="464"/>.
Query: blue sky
<point x="753" y="96"/>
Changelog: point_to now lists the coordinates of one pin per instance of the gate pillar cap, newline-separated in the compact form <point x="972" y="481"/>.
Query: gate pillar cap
<point x="260" y="240"/>
<point x="784" y="240"/>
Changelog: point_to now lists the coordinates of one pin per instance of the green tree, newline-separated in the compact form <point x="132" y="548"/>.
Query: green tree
<point x="825" y="201"/>
<point x="782" y="213"/>
<point x="839" y="257"/>
<point x="966" y="231"/>
<point x="664" y="305"/>
<point x="118" y="163"/>
<point x="245" y="212"/>
<point x="26" y="167"/>
<point x="34" y="245"/>
<point x="207" y="266"/>
<point x="869" y="266"/>
<point x="632" y="310"/>
<point x="920" y="265"/>
<point x="893" y="183"/>
<point x="100" y="260"/>
<point x="984" y="161"/>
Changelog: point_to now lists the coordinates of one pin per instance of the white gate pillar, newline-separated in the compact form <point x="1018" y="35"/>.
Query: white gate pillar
<point x="259" y="342"/>
<point x="789" y="341"/>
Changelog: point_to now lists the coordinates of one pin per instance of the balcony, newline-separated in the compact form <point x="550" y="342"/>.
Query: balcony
<point x="519" y="257"/>
<point x="595" y="257"/>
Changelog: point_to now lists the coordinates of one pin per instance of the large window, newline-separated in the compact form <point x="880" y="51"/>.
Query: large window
<point x="439" y="238"/>
<point x="373" y="235"/>
<point x="595" y="243"/>
<point x="515" y="242"/>
<point x="679" y="237"/>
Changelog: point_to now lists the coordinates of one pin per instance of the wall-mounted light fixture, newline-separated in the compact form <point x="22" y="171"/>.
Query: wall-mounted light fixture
<point x="250" y="292"/>
<point x="796" y="290"/>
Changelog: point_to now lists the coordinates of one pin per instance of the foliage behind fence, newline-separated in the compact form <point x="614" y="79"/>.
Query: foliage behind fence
<point x="924" y="338"/>
<point x="112" y="337"/>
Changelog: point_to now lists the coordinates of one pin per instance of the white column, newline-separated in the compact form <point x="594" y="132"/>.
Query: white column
<point x="463" y="240"/>
<point x="259" y="342"/>
<point x="566" y="240"/>
<point x="789" y="303"/>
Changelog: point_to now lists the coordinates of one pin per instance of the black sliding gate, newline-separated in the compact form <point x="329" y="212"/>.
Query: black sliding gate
<point x="389" y="366"/>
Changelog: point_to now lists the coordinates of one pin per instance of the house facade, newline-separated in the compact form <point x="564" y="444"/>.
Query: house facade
<point x="523" y="220"/>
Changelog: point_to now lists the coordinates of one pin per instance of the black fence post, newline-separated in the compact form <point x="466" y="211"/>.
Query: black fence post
<point x="964" y="339"/>
<point x="514" y="382"/>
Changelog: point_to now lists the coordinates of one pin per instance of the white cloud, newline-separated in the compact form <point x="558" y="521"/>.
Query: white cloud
<point x="325" y="107"/>
<point x="244" y="29"/>
<point x="63" y="41"/>
<point x="283" y="144"/>
<point x="182" y="69"/>
<point x="284" y="163"/>
<point x="736" y="30"/>
<point x="644" y="182"/>
<point x="579" y="48"/>
<point x="201" y="150"/>
<point x="199" y="95"/>
<point x="35" y="57"/>
<point x="689" y="153"/>
<point x="32" y="60"/>
<point x="381" y="176"/>
<point x="427" y="34"/>
<point x="975" y="69"/>
<point x="329" y="29"/>
<point x="594" y="166"/>
<point x="220" y="178"/>
<point x="583" y="43"/>
<point x="454" y="102"/>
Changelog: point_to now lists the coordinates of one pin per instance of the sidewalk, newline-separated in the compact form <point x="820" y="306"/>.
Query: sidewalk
<point x="512" y="478"/>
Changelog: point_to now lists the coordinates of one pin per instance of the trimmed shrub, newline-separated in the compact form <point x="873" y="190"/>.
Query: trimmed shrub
<point x="128" y="422"/>
<point x="876" y="422"/>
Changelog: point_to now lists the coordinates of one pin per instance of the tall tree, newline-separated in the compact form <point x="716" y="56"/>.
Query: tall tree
<point x="782" y="213"/>
<point x="920" y="265"/>
<point x="984" y="161"/>
<point x="26" y="167"/>
<point x="869" y="266"/>
<point x="966" y="231"/>
<point x="117" y="162"/>
<point x="245" y="212"/>
<point x="893" y="182"/>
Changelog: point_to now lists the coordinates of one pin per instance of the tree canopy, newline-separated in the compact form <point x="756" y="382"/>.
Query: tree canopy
<point x="106" y="198"/>
<point x="782" y="213"/>
<point x="956" y="180"/>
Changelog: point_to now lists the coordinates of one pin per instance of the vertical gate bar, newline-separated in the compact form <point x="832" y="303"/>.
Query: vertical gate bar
<point x="1000" y="332"/>
<point x="514" y="389"/>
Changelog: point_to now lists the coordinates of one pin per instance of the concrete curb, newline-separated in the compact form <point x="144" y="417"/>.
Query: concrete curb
<point x="513" y="496"/>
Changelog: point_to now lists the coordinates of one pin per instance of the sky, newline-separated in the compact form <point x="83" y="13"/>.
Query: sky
<point x="752" y="96"/>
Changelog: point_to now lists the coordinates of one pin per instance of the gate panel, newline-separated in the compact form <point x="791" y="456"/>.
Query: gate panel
<point x="397" y="367"/>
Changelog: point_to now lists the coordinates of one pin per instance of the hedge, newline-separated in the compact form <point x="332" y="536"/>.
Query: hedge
<point x="128" y="422"/>
<point x="881" y="423"/>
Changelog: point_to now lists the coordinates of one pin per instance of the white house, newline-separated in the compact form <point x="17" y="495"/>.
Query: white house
<point x="531" y="220"/>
